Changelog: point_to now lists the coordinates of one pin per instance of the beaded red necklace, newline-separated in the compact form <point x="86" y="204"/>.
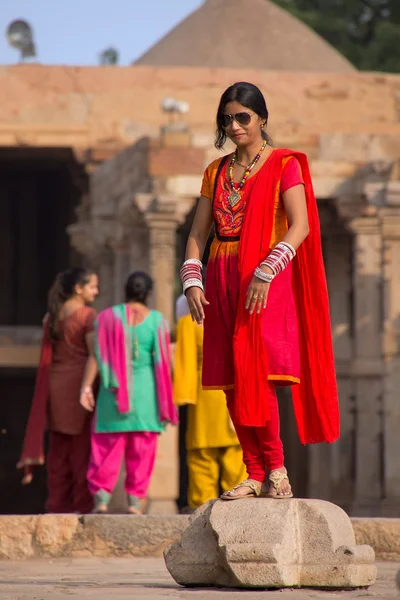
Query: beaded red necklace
<point x="234" y="196"/>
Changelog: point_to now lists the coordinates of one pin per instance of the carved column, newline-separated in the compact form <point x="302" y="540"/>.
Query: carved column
<point x="120" y="272"/>
<point x="103" y="262"/>
<point x="391" y="351"/>
<point x="139" y="247"/>
<point x="339" y="274"/>
<point x="337" y="457"/>
<point x="162" y="237"/>
<point x="162" y="230"/>
<point x="367" y="367"/>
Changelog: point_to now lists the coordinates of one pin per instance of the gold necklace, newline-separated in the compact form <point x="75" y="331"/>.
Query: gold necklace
<point x="236" y="189"/>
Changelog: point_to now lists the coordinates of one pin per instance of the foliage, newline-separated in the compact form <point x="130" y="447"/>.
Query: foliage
<point x="367" y="32"/>
<point x="110" y="56"/>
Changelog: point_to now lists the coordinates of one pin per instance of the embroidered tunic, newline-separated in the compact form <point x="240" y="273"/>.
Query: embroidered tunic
<point x="279" y="327"/>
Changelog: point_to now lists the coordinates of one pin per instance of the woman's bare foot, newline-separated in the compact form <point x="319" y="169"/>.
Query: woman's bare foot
<point x="132" y="510"/>
<point x="248" y="488"/>
<point x="100" y="509"/>
<point x="135" y="505"/>
<point x="278" y="486"/>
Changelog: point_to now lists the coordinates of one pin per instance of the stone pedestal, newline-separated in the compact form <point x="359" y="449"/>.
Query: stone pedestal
<point x="263" y="543"/>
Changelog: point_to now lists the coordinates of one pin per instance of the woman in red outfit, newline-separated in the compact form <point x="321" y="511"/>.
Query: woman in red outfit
<point x="67" y="339"/>
<point x="265" y="311"/>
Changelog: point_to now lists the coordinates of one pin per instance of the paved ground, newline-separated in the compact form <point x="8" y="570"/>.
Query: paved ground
<point x="115" y="578"/>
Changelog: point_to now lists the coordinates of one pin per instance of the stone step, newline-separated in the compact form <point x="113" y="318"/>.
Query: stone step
<point x="46" y="536"/>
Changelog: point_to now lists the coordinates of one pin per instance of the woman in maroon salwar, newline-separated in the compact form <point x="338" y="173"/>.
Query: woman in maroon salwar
<point x="67" y="340"/>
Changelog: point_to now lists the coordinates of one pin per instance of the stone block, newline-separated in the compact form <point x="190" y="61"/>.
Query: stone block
<point x="382" y="534"/>
<point x="264" y="543"/>
<point x="122" y="535"/>
<point x="54" y="533"/>
<point x="16" y="533"/>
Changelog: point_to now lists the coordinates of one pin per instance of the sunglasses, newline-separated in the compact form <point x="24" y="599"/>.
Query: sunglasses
<point x="242" y="118"/>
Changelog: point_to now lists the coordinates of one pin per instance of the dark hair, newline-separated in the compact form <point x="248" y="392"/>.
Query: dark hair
<point x="249" y="96"/>
<point x="138" y="287"/>
<point x="62" y="289"/>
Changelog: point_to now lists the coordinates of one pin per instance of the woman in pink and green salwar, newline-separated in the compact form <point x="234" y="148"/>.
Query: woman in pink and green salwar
<point x="135" y="401"/>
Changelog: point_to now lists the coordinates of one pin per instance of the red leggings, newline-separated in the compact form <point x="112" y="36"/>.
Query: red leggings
<point x="262" y="446"/>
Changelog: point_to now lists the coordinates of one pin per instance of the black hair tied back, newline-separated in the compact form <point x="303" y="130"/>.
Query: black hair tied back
<point x="138" y="287"/>
<point x="62" y="289"/>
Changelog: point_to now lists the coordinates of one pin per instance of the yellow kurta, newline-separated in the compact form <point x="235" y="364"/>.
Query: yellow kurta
<point x="209" y="424"/>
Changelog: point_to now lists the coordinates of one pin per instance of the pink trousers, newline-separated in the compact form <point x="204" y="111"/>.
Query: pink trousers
<point x="108" y="450"/>
<point x="262" y="446"/>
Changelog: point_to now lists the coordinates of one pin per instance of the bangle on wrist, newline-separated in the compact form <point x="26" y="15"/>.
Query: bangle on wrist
<point x="86" y="389"/>
<point x="191" y="274"/>
<point x="192" y="283"/>
<point x="279" y="257"/>
<point x="260" y="274"/>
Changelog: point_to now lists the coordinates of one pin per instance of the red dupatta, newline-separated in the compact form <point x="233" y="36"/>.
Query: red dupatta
<point x="32" y="450"/>
<point x="315" y="398"/>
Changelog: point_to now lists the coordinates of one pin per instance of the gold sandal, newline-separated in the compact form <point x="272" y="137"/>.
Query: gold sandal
<point x="254" y="493"/>
<point x="276" y="478"/>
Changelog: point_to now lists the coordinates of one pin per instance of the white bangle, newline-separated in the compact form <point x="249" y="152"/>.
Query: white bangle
<point x="290" y="248"/>
<point x="267" y="277"/>
<point x="192" y="283"/>
<point x="265" y="264"/>
<point x="193" y="261"/>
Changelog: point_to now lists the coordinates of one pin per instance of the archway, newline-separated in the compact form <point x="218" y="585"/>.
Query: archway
<point x="40" y="188"/>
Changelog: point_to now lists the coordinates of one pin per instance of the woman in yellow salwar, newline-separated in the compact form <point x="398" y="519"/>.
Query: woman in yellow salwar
<point x="214" y="455"/>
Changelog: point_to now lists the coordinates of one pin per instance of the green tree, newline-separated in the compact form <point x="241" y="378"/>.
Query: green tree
<point x="367" y="32"/>
<point x="110" y="56"/>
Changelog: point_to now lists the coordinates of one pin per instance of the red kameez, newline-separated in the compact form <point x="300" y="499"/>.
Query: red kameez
<point x="285" y="344"/>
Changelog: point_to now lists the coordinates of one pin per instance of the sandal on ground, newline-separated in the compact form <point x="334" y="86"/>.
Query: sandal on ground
<point x="100" y="509"/>
<point x="276" y="478"/>
<point x="101" y="500"/>
<point x="134" y="505"/>
<point x="253" y="493"/>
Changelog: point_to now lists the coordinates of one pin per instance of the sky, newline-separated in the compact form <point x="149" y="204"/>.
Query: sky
<point x="75" y="32"/>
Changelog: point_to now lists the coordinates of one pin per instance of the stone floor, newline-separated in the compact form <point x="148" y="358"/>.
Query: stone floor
<point x="147" y="578"/>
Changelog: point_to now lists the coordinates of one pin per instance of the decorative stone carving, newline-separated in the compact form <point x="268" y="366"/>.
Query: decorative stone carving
<point x="261" y="543"/>
<point x="81" y="237"/>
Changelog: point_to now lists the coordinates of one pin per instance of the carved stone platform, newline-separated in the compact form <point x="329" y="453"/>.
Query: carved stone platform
<point x="264" y="543"/>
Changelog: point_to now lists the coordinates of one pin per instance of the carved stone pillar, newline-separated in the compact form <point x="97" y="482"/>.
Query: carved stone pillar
<point x="367" y="367"/>
<point x="121" y="272"/>
<point x="339" y="274"/>
<point x="337" y="458"/>
<point x="391" y="352"/>
<point x="139" y="249"/>
<point x="162" y="237"/>
<point x="162" y="230"/>
<point x="103" y="262"/>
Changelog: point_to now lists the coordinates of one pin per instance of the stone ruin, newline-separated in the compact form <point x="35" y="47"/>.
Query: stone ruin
<point x="266" y="543"/>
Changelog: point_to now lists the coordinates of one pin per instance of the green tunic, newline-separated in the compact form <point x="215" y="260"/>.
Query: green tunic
<point x="143" y="414"/>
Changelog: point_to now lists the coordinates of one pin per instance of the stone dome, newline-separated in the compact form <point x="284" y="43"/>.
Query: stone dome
<point x="250" y="34"/>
